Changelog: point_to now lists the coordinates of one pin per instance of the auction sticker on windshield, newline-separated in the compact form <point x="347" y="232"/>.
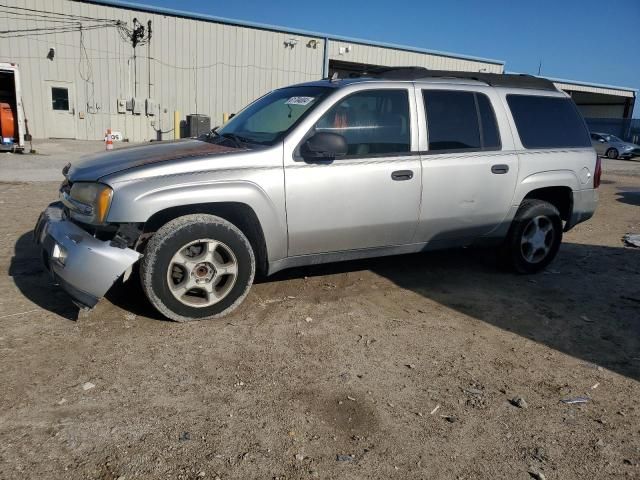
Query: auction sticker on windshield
<point x="299" y="101"/>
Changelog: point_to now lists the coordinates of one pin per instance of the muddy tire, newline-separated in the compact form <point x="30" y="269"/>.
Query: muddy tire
<point x="534" y="237"/>
<point x="197" y="267"/>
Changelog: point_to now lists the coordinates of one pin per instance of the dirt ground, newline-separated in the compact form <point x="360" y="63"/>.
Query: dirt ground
<point x="401" y="367"/>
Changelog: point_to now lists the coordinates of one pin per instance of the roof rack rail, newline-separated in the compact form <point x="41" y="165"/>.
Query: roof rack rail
<point x="493" y="79"/>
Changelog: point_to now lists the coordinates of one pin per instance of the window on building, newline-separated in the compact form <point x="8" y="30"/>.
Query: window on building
<point x="460" y="121"/>
<point x="548" y="122"/>
<point x="60" y="98"/>
<point x="373" y="122"/>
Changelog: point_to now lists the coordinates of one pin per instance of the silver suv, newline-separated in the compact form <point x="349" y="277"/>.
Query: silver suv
<point x="401" y="161"/>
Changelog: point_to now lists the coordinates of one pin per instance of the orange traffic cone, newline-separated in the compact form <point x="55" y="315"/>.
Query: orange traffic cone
<point x="109" y="139"/>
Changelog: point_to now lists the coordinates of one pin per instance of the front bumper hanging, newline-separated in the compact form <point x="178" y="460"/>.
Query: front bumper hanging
<point x="82" y="265"/>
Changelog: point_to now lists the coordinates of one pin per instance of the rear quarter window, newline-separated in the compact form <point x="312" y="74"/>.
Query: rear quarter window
<point x="548" y="122"/>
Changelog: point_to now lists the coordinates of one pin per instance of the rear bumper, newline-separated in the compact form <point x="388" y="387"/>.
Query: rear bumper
<point x="584" y="206"/>
<point x="82" y="265"/>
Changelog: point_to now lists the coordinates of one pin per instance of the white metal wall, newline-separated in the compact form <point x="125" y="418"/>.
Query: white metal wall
<point x="196" y="67"/>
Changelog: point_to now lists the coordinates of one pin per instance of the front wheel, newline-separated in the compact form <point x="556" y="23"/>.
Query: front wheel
<point x="534" y="237"/>
<point x="612" y="153"/>
<point x="197" y="267"/>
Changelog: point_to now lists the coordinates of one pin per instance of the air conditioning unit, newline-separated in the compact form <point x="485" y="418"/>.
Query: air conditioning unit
<point x="198" y="124"/>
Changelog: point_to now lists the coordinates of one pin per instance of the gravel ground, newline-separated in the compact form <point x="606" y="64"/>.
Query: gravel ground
<point x="403" y="367"/>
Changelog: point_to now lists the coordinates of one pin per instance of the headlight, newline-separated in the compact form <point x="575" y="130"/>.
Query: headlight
<point x="89" y="202"/>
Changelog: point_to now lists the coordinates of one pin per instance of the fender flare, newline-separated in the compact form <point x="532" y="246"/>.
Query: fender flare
<point x="550" y="178"/>
<point x="132" y="205"/>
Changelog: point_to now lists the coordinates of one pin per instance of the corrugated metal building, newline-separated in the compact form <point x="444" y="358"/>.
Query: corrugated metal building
<point x="599" y="101"/>
<point x="81" y="73"/>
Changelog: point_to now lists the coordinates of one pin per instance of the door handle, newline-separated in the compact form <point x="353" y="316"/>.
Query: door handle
<point x="499" y="169"/>
<point x="400" y="175"/>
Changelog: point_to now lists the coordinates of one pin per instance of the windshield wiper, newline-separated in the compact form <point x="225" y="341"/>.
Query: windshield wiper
<point x="211" y="134"/>
<point x="237" y="139"/>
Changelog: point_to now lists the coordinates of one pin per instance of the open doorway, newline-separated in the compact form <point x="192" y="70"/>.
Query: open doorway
<point x="9" y="134"/>
<point x="350" y="69"/>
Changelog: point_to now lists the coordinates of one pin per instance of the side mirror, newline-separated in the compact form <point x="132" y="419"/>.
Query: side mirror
<point x="324" y="146"/>
<point x="231" y="115"/>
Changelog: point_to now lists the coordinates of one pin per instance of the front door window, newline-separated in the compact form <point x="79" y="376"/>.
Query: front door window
<point x="374" y="122"/>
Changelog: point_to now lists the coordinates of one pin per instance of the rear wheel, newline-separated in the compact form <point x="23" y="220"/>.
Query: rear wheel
<point x="197" y="267"/>
<point x="612" y="153"/>
<point x="534" y="237"/>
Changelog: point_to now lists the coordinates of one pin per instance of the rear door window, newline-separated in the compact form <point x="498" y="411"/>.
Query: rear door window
<point x="460" y="121"/>
<point x="548" y="122"/>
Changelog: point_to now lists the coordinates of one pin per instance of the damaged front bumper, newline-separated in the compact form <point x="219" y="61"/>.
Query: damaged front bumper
<point x="84" y="266"/>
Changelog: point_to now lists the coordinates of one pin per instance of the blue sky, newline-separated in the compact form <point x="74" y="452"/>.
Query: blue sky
<point x="594" y="41"/>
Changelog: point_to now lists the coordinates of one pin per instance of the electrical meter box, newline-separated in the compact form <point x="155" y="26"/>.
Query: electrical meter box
<point x="151" y="107"/>
<point x="138" y="106"/>
<point x="122" y="105"/>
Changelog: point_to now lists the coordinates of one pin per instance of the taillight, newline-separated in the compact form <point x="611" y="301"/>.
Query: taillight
<point x="598" y="173"/>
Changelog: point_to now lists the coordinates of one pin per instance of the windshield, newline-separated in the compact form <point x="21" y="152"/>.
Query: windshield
<point x="269" y="118"/>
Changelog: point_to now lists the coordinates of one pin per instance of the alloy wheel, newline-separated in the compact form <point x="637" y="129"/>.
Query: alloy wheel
<point x="537" y="239"/>
<point x="202" y="273"/>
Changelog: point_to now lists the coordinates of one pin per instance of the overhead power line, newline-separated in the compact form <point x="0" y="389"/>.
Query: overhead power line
<point x="58" y="22"/>
<point x="36" y="18"/>
<point x="55" y="14"/>
<point x="48" y="31"/>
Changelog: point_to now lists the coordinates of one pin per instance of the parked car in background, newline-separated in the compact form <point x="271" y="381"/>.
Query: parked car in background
<point x="406" y="161"/>
<point x="610" y="146"/>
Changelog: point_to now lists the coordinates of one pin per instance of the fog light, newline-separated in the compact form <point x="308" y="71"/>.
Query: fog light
<point x="59" y="254"/>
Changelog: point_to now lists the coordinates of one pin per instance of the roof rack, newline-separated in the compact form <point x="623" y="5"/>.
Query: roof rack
<point x="493" y="79"/>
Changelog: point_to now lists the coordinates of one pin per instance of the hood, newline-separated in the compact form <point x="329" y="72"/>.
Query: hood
<point x="95" y="166"/>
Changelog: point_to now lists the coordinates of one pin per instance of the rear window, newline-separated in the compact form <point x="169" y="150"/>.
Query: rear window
<point x="548" y="122"/>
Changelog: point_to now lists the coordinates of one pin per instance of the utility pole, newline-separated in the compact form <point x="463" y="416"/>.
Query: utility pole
<point x="539" y="67"/>
<point x="136" y="36"/>
<point x="149" y="54"/>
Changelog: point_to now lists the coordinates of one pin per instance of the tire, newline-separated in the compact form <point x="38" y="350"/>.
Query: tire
<point x="612" y="153"/>
<point x="534" y="237"/>
<point x="197" y="267"/>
